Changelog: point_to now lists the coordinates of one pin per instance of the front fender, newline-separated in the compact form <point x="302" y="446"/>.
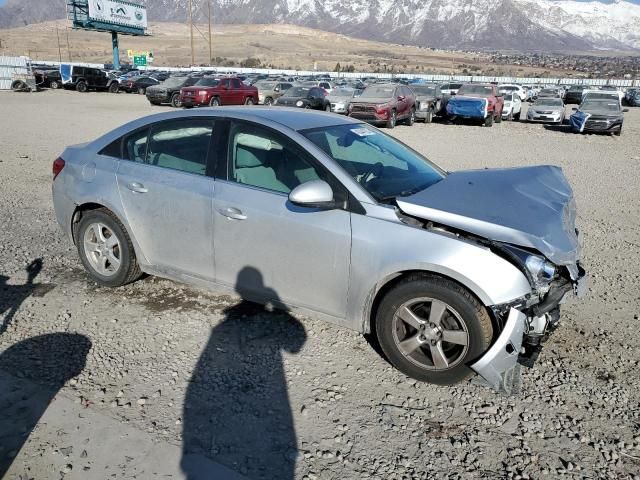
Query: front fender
<point x="381" y="250"/>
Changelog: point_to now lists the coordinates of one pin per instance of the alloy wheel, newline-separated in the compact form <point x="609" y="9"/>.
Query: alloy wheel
<point x="102" y="248"/>
<point x="430" y="334"/>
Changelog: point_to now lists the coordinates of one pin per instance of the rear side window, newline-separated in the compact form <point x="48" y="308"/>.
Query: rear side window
<point x="114" y="149"/>
<point x="235" y="83"/>
<point x="135" y="146"/>
<point x="181" y="145"/>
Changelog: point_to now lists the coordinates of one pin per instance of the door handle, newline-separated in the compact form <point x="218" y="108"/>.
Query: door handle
<point x="137" y="187"/>
<point x="232" y="213"/>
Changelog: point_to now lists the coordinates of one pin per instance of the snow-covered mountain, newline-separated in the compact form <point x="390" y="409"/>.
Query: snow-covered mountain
<point x="526" y="25"/>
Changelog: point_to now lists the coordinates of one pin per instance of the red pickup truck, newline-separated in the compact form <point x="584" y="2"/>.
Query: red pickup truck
<point x="477" y="101"/>
<point x="213" y="92"/>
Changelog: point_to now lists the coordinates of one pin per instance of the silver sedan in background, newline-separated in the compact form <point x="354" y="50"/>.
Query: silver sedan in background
<point x="454" y="273"/>
<point x="546" y="110"/>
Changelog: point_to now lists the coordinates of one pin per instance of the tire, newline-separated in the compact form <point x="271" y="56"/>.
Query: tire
<point x="412" y="118"/>
<point x="268" y="101"/>
<point x="54" y="85"/>
<point x="498" y="118"/>
<point x="127" y="270"/>
<point x="393" y="119"/>
<point x="327" y="108"/>
<point x="517" y="116"/>
<point x="175" y="100"/>
<point x="510" y="117"/>
<point x="81" y="86"/>
<point x="249" y="101"/>
<point x="463" y="314"/>
<point x="114" y="87"/>
<point x="618" y="132"/>
<point x="488" y="122"/>
<point x="141" y="91"/>
<point x="214" y="102"/>
<point x="429" y="117"/>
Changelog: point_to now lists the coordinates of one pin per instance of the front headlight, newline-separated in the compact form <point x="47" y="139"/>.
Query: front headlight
<point x="540" y="269"/>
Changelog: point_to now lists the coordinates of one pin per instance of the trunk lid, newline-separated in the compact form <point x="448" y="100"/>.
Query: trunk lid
<point x="530" y="207"/>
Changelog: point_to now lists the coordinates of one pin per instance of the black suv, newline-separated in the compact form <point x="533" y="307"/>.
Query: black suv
<point x="87" y="78"/>
<point x="574" y="94"/>
<point x="169" y="90"/>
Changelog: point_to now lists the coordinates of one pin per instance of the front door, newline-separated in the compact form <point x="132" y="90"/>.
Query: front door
<point x="268" y="248"/>
<point x="167" y="195"/>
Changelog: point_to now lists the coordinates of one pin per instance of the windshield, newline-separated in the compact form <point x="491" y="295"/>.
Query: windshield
<point x="174" y="81"/>
<point x="424" y="90"/>
<point x="342" y="92"/>
<point x="548" y="102"/>
<point x="508" y="97"/>
<point x="482" y="90"/>
<point x="601" y="95"/>
<point x="207" y="82"/>
<point x="265" y="85"/>
<point x="297" y="92"/>
<point x="383" y="166"/>
<point x="378" y="92"/>
<point x="600" y="106"/>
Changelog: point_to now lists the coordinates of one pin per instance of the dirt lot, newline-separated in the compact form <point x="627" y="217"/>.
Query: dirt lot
<point x="272" y="396"/>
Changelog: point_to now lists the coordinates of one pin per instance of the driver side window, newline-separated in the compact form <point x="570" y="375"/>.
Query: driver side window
<point x="262" y="158"/>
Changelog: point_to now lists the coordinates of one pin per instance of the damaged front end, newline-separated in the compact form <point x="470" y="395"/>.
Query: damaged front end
<point x="525" y="325"/>
<point x="526" y="216"/>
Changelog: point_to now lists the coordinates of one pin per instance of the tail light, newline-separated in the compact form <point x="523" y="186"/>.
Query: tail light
<point x="58" y="165"/>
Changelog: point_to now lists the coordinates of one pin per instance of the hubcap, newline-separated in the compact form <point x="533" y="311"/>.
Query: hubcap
<point x="102" y="249"/>
<point x="430" y="334"/>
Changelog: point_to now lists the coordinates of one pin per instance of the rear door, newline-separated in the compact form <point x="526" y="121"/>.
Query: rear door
<point x="239" y="92"/>
<point x="167" y="193"/>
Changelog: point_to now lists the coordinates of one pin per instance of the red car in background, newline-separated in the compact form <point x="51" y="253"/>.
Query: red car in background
<point x="213" y="92"/>
<point x="385" y="104"/>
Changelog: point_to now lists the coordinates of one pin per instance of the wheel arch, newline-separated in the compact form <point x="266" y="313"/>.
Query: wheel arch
<point x="89" y="206"/>
<point x="381" y="288"/>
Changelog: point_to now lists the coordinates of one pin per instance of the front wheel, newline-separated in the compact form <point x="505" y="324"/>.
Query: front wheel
<point x="214" y="102"/>
<point x="54" y="85"/>
<point x="393" y="118"/>
<point x="249" y="101"/>
<point x="175" y="100"/>
<point x="106" y="250"/>
<point x="488" y="122"/>
<point x="81" y="86"/>
<point x="114" y="87"/>
<point x="432" y="329"/>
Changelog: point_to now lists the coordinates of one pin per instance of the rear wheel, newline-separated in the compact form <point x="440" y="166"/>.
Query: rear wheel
<point x="249" y="101"/>
<point x="175" y="100"/>
<point x="81" y="86"/>
<point x="268" y="101"/>
<point x="106" y="250"/>
<point x="431" y="329"/>
<point x="393" y="118"/>
<point x="488" y="122"/>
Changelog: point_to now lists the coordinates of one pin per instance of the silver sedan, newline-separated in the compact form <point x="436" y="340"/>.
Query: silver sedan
<point x="546" y="110"/>
<point x="454" y="273"/>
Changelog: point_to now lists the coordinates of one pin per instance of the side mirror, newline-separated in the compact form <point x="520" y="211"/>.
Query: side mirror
<point x="313" y="194"/>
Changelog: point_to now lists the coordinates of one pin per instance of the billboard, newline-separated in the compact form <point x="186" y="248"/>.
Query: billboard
<point x="117" y="12"/>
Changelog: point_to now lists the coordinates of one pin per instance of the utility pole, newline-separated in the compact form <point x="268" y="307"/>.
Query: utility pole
<point x="193" y="60"/>
<point x="68" y="45"/>
<point x="210" y="46"/>
<point x="59" y="49"/>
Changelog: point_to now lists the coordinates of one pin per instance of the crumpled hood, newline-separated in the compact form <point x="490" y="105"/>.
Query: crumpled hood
<point x="530" y="207"/>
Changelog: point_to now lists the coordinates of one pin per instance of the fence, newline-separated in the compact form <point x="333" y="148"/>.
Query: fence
<point x="10" y="66"/>
<point x="426" y="77"/>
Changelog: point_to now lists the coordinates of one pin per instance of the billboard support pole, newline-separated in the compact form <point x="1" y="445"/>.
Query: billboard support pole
<point x="116" y="50"/>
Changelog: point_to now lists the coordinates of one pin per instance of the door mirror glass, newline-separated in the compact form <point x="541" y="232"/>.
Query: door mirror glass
<point x="315" y="194"/>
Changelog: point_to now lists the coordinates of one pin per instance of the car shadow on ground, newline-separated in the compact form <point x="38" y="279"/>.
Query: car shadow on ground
<point x="237" y="410"/>
<point x="562" y="128"/>
<point x="31" y="374"/>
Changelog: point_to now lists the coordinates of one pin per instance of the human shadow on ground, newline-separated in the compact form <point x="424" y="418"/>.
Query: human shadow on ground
<point x="31" y="374"/>
<point x="237" y="409"/>
<point x="12" y="296"/>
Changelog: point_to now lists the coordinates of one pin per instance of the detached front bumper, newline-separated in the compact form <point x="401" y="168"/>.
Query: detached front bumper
<point x="520" y="341"/>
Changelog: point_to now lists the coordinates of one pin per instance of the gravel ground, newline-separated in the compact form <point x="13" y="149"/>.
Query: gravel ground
<point x="273" y="396"/>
